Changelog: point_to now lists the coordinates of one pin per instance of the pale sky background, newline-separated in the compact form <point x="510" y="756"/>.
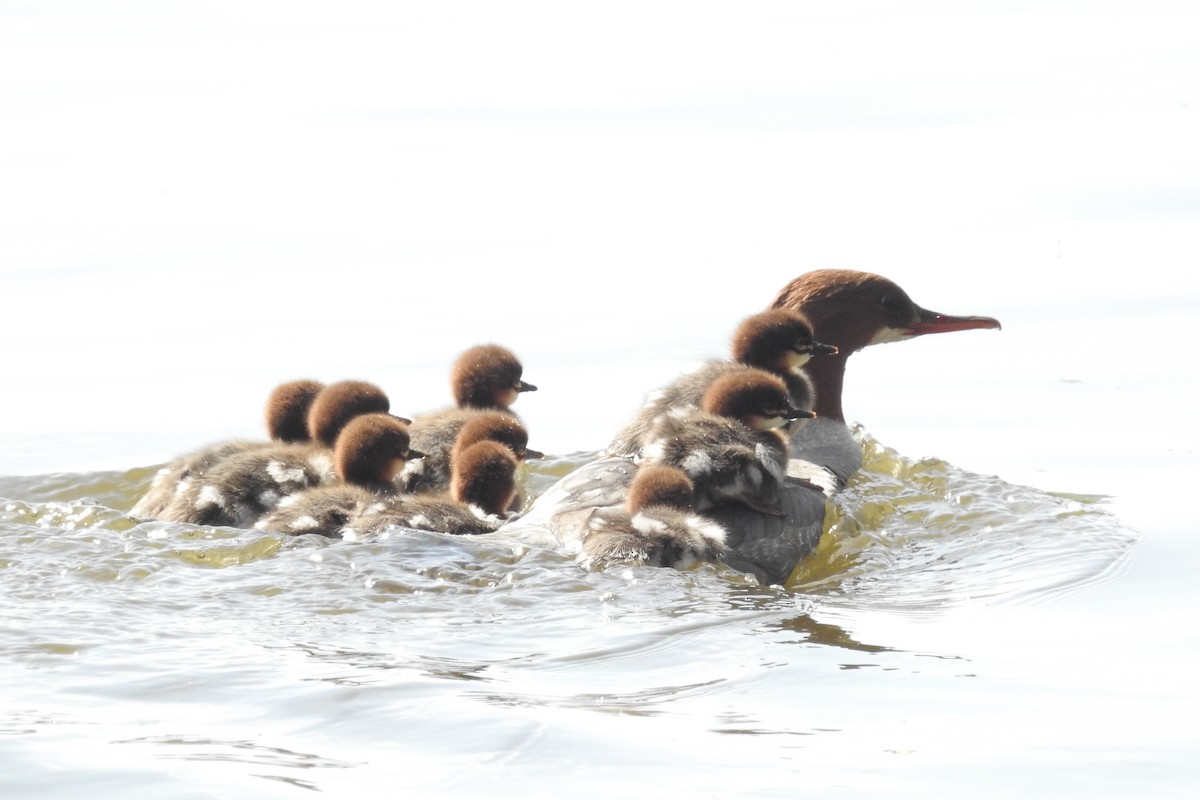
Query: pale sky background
<point x="203" y="199"/>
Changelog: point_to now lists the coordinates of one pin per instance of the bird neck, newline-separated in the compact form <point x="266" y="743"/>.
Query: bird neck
<point x="827" y="374"/>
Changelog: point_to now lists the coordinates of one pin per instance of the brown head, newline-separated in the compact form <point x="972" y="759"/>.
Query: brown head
<point x="287" y="410"/>
<point x="852" y="310"/>
<point x="487" y="376"/>
<point x="371" y="449"/>
<point x="660" y="485"/>
<point x="484" y="475"/>
<point x="495" y="426"/>
<point x="753" y="397"/>
<point x="779" y="340"/>
<point x="340" y="402"/>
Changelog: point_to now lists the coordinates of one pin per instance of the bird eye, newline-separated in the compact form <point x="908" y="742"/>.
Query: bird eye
<point x="891" y="302"/>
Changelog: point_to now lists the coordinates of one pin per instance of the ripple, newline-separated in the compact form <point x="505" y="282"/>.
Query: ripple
<point x="911" y="535"/>
<point x="244" y="751"/>
<point x="923" y="535"/>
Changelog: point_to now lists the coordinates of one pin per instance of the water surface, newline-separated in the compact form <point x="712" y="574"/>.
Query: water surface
<point x="154" y="652"/>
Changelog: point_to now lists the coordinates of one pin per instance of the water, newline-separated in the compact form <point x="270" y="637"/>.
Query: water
<point x="153" y="652"/>
<point x="206" y="200"/>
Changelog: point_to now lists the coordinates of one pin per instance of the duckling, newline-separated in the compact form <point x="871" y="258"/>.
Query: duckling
<point x="287" y="410"/>
<point x="484" y="378"/>
<point x="241" y="488"/>
<point x="476" y="425"/>
<point x="779" y="341"/>
<point x="487" y="376"/>
<point x="368" y="454"/>
<point x="341" y="402"/>
<point x="286" y="419"/>
<point x="658" y="526"/>
<point x="482" y="489"/>
<point x="731" y="447"/>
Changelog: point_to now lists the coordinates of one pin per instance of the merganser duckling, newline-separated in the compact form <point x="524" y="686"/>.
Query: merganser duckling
<point x="482" y="490"/>
<point x="286" y="419"/>
<point x="475" y="425"/>
<point x="340" y="402"/>
<point x="368" y="454"/>
<point x="779" y="341"/>
<point x="847" y="309"/>
<point x="287" y="410"/>
<point x="730" y="447"/>
<point x="241" y="488"/>
<point x="657" y="527"/>
<point x="484" y="378"/>
<point x="495" y="426"/>
<point x="487" y="376"/>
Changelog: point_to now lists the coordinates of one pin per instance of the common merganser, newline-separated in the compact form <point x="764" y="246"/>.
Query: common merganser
<point x="340" y="402"/>
<point x="440" y="443"/>
<point x="237" y="490"/>
<point x="368" y="454"/>
<point x="482" y="490"/>
<point x="657" y="527"/>
<point x="730" y="447"/>
<point x="286" y="418"/>
<point x="287" y="410"/>
<point x="495" y="426"/>
<point x="847" y="309"/>
<point x="778" y="340"/>
<point x="485" y="378"/>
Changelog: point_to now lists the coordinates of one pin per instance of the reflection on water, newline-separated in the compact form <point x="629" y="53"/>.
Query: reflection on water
<point x="171" y="641"/>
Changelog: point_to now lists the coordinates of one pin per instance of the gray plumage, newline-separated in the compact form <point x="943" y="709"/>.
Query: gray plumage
<point x="242" y="488"/>
<point x="656" y="536"/>
<point x="686" y="392"/>
<point x="172" y="479"/>
<point x="434" y="435"/>
<point x="286" y="417"/>
<point x="423" y="512"/>
<point x="727" y="461"/>
<point x="657" y="526"/>
<point x="442" y="435"/>
<point x="323" y="510"/>
<point x="778" y="341"/>
<point x="353" y="512"/>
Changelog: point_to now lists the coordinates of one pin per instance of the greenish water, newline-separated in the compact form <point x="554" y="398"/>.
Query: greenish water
<point x="167" y="660"/>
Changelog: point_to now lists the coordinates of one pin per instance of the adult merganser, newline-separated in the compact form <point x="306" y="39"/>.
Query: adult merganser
<point x="730" y="447"/>
<point x="237" y="490"/>
<point x="657" y="527"/>
<point x="286" y="419"/>
<point x="778" y="340"/>
<point x="485" y="378"/>
<point x="368" y="454"/>
<point x="847" y="309"/>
